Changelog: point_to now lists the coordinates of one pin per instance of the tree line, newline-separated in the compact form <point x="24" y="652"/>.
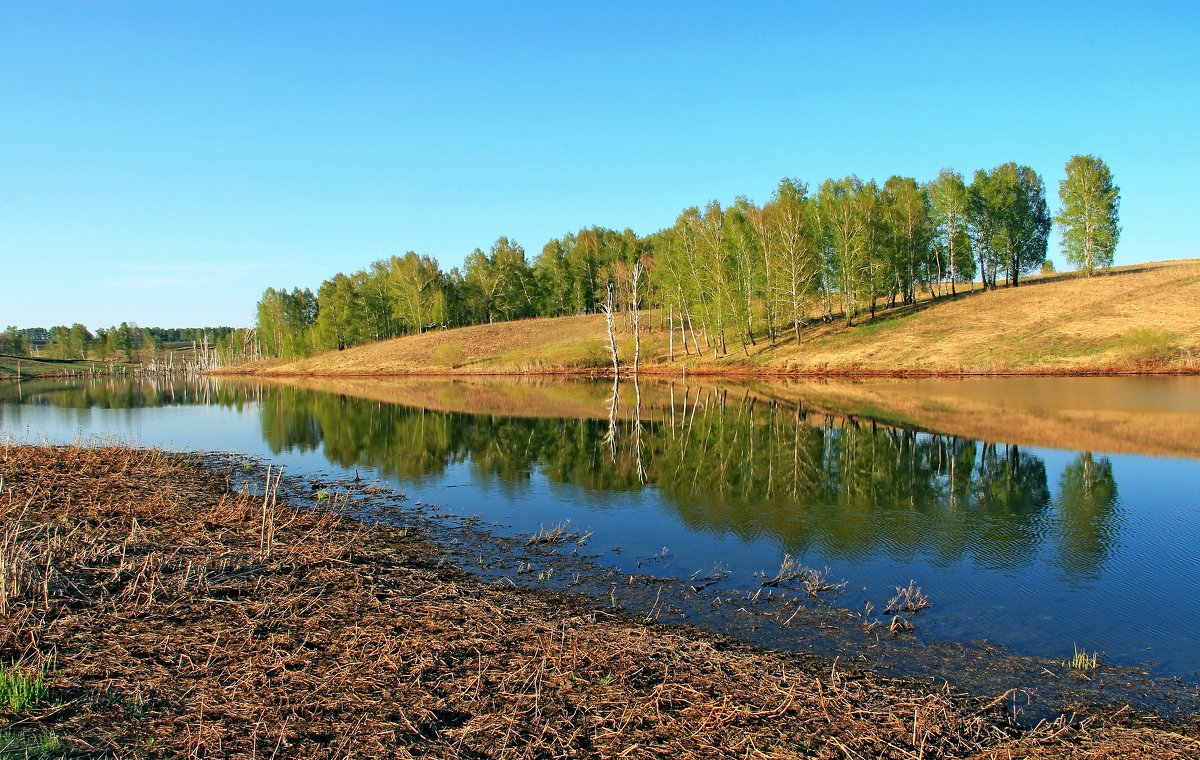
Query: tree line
<point x="732" y="275"/>
<point x="126" y="342"/>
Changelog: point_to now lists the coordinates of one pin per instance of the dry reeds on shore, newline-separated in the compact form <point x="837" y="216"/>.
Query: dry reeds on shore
<point x="173" y="617"/>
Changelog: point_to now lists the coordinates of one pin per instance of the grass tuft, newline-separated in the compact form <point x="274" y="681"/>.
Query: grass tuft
<point x="22" y="688"/>
<point x="1082" y="660"/>
<point x="27" y="745"/>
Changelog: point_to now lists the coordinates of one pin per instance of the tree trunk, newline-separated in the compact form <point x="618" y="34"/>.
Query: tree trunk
<point x="637" y="334"/>
<point x="692" y="329"/>
<point x="671" y="334"/>
<point x="612" y="336"/>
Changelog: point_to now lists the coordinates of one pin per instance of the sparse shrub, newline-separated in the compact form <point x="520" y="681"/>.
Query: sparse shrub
<point x="449" y="355"/>
<point x="593" y="353"/>
<point x="908" y="598"/>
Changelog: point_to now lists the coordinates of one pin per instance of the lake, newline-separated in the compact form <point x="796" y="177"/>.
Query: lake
<point x="1035" y="514"/>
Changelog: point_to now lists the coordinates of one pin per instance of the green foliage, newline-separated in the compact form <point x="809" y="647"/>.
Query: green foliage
<point x="842" y="208"/>
<point x="1008" y="221"/>
<point x="908" y="227"/>
<point x="724" y="274"/>
<point x="286" y="322"/>
<point x="790" y="236"/>
<point x="21" y="688"/>
<point x="1089" y="215"/>
<point x="500" y="283"/>
<point x="13" y="342"/>
<point x="1047" y="267"/>
<point x="949" y="203"/>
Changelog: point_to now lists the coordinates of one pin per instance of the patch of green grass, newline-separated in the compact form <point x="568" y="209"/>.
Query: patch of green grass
<point x="25" y="745"/>
<point x="448" y="355"/>
<point x="1064" y="347"/>
<point x="869" y="326"/>
<point x="1148" y="345"/>
<point x="21" y="688"/>
<point x="584" y="354"/>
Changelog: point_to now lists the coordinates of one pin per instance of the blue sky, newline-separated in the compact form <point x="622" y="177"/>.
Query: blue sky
<point x="165" y="162"/>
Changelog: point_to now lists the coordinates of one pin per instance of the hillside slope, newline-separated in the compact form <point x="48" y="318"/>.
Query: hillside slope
<point x="1136" y="318"/>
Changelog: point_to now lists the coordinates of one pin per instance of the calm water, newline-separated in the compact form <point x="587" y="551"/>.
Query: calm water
<point x="1031" y="548"/>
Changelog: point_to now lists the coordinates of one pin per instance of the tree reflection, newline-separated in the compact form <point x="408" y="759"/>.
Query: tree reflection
<point x="734" y="464"/>
<point x="108" y="392"/>
<point x="1087" y="514"/>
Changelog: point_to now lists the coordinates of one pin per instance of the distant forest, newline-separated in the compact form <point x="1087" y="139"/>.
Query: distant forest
<point x="122" y="343"/>
<point x="734" y="274"/>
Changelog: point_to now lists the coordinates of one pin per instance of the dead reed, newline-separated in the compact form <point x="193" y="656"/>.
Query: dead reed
<point x="177" y="618"/>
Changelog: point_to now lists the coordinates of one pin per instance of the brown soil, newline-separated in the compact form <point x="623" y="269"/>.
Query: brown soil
<point x="178" y="618"/>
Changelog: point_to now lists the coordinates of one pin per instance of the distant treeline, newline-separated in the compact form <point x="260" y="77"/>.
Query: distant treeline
<point x="124" y="342"/>
<point x="729" y="275"/>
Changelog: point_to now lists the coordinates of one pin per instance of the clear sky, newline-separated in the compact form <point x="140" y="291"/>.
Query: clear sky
<point x="165" y="162"/>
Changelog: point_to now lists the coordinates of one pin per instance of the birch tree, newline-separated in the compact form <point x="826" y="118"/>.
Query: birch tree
<point x="795" y="248"/>
<point x="951" y="247"/>
<point x="1090" y="202"/>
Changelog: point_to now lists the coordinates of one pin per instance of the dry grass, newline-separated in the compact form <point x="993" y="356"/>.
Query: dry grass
<point x="1116" y="414"/>
<point x="177" y="618"/>
<point x="1129" y="319"/>
<point x="523" y="346"/>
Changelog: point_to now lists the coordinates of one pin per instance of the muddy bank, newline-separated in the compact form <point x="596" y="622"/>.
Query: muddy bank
<point x="174" y="613"/>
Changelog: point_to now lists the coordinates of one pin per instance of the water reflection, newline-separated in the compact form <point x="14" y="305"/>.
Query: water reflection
<point x="1088" y="508"/>
<point x="124" y="393"/>
<point x="730" y="463"/>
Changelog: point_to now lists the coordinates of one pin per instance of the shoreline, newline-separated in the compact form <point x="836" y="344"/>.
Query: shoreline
<point x="178" y="614"/>
<point x="659" y="372"/>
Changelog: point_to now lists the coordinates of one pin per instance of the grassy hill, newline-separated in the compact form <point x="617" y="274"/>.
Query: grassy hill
<point x="1129" y="319"/>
